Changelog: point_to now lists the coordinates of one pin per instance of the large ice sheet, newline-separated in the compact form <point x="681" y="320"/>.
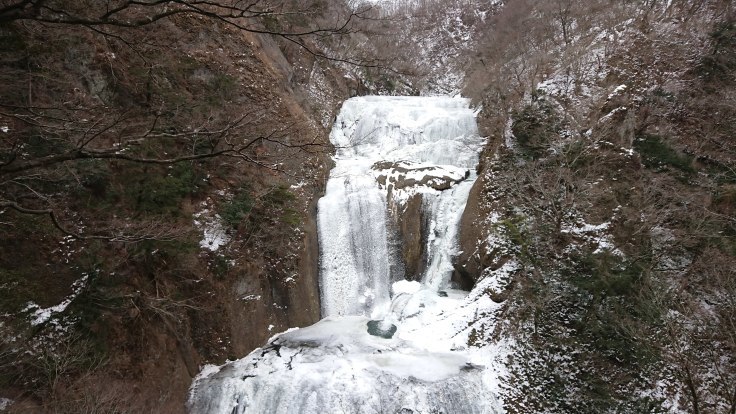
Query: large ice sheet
<point x="334" y="366"/>
<point x="437" y="130"/>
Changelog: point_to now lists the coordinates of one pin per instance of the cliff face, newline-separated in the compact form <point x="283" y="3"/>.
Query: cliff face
<point x="601" y="199"/>
<point x="196" y="261"/>
<point x="473" y="257"/>
<point x="412" y="232"/>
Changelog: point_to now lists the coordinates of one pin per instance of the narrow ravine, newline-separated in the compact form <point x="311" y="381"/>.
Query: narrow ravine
<point x="386" y="344"/>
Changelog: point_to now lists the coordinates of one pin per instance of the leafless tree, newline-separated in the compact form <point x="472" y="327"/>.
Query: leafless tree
<point x="81" y="126"/>
<point x="247" y="16"/>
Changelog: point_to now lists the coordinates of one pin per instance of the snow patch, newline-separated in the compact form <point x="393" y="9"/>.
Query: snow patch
<point x="595" y="233"/>
<point x="406" y="286"/>
<point x="41" y="315"/>
<point x="214" y="233"/>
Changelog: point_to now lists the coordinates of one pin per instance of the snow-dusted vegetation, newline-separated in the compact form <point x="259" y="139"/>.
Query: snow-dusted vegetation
<point x="524" y="206"/>
<point x="604" y="182"/>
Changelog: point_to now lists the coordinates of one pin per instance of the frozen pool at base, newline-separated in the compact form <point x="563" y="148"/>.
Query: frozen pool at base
<point x="334" y="366"/>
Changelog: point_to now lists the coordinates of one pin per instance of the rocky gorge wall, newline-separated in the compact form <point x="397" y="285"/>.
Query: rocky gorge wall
<point x="244" y="264"/>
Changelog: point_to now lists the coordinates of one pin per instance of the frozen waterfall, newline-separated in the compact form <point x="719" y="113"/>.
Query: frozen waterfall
<point x="424" y="133"/>
<point x="414" y="358"/>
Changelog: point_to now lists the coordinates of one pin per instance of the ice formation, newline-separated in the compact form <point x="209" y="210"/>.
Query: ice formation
<point x="428" y="136"/>
<point x="412" y="145"/>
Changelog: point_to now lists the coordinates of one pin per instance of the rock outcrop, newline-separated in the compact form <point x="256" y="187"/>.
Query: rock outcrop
<point x="473" y="258"/>
<point x="403" y="175"/>
<point x="407" y="183"/>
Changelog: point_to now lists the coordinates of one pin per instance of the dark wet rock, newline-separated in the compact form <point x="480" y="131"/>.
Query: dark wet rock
<point x="411" y="225"/>
<point x="473" y="259"/>
<point x="381" y="329"/>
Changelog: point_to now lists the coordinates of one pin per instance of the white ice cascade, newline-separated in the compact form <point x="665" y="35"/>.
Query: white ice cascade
<point x="382" y="347"/>
<point x="427" y="137"/>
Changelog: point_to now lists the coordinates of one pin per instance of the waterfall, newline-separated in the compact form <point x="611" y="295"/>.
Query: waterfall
<point x="425" y="133"/>
<point x="410" y="358"/>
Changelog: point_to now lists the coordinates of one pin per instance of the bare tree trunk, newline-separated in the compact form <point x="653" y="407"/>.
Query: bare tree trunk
<point x="692" y="389"/>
